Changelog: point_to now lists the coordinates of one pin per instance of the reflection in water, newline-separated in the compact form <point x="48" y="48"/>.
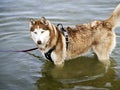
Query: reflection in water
<point x="81" y="73"/>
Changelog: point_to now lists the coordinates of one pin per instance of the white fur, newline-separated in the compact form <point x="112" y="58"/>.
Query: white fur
<point x="114" y="42"/>
<point x="42" y="35"/>
<point x="93" y="23"/>
<point x="54" y="56"/>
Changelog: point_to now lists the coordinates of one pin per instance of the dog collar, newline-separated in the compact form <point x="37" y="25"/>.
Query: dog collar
<point x="65" y="33"/>
<point x="48" y="54"/>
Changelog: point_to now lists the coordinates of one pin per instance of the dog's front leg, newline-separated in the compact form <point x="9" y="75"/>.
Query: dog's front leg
<point x="57" y="59"/>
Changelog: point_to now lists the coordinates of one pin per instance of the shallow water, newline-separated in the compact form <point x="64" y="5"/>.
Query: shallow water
<point x="28" y="71"/>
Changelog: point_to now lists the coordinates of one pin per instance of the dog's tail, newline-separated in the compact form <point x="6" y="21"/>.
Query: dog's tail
<point x="115" y="17"/>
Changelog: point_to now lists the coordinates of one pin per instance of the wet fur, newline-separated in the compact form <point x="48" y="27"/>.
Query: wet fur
<point x="98" y="35"/>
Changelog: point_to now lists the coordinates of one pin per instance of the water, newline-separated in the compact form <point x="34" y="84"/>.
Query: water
<point x="28" y="71"/>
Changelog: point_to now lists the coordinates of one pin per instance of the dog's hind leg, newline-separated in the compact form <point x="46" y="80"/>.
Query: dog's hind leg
<point x="103" y="49"/>
<point x="102" y="54"/>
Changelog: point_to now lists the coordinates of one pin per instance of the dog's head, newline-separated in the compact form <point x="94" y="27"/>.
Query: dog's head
<point x="42" y="31"/>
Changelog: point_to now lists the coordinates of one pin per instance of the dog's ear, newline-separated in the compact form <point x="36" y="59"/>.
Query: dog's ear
<point x="32" y="22"/>
<point x="44" y="20"/>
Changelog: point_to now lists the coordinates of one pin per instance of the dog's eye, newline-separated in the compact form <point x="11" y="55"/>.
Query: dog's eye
<point x="42" y="31"/>
<point x="35" y="32"/>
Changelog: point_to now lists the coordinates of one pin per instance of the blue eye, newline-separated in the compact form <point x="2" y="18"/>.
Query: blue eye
<point x="42" y="31"/>
<point x="35" y="32"/>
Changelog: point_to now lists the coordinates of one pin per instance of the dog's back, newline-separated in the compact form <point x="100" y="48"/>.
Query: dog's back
<point x="98" y="35"/>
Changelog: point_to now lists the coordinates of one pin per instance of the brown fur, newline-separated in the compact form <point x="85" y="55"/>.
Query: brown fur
<point x="83" y="37"/>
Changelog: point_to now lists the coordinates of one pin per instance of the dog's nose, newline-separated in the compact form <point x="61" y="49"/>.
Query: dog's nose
<point x="39" y="42"/>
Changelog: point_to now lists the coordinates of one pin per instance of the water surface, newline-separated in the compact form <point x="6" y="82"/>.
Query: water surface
<point x="28" y="71"/>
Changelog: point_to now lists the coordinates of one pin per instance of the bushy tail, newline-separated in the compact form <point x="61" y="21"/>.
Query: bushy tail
<point x="115" y="18"/>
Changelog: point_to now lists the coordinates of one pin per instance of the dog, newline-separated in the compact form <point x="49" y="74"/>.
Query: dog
<point x="58" y="43"/>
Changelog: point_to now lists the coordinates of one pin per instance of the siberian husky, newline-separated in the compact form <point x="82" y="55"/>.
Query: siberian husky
<point x="59" y="44"/>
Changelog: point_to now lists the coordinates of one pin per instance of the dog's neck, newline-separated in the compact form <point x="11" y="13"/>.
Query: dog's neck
<point x="61" y="44"/>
